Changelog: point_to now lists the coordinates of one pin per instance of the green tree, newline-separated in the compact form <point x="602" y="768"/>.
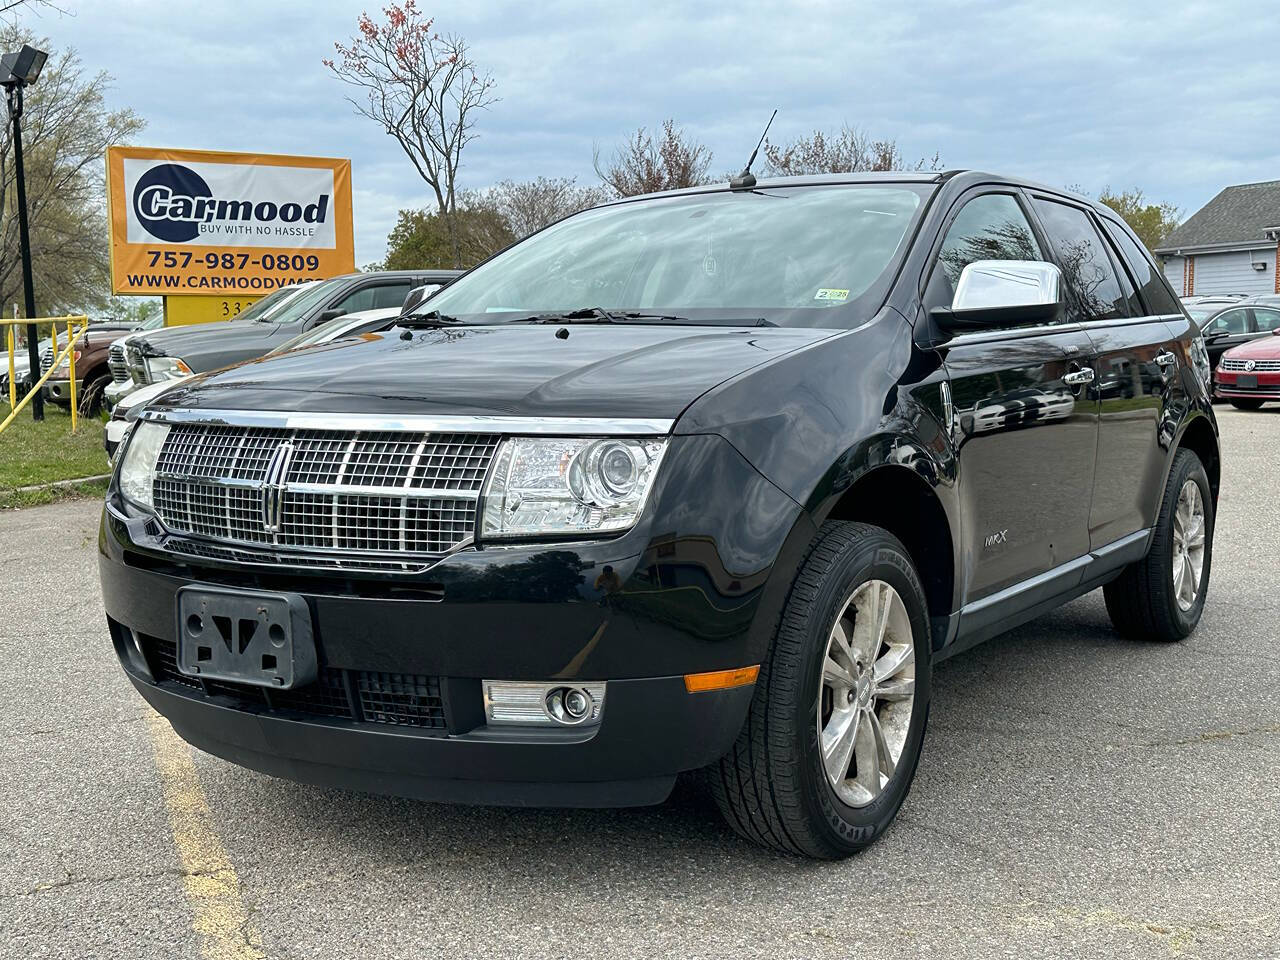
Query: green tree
<point x="132" y="309"/>
<point x="1152" y="222"/>
<point x="66" y="128"/>
<point x="422" y="239"/>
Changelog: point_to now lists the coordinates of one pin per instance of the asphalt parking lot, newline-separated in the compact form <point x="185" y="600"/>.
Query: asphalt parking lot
<point x="1079" y="795"/>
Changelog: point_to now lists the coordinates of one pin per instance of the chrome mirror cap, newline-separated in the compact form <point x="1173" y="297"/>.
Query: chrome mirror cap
<point x="999" y="284"/>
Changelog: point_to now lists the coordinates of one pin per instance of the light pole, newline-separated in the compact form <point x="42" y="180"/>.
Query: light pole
<point x="19" y="70"/>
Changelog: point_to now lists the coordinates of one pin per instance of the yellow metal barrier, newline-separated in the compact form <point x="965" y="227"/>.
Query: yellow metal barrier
<point x="76" y="325"/>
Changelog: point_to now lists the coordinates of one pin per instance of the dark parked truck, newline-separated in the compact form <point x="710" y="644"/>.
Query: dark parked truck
<point x="177" y="352"/>
<point x="707" y="480"/>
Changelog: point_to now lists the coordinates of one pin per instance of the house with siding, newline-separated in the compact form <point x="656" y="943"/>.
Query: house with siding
<point x="1228" y="245"/>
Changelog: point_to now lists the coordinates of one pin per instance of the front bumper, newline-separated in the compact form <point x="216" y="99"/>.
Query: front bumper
<point x="651" y="729"/>
<point x="1266" y="385"/>
<point x="58" y="391"/>
<point x="638" y="612"/>
<point x="117" y="390"/>
<point x="114" y="434"/>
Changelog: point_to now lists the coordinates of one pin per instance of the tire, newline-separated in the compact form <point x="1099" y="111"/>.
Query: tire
<point x="1142" y="602"/>
<point x="90" y="400"/>
<point x="772" y="786"/>
<point x="1247" y="404"/>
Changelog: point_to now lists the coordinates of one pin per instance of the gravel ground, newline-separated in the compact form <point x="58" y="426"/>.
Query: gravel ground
<point x="1078" y="796"/>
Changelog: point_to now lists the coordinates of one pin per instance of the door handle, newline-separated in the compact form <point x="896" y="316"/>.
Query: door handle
<point x="1077" y="377"/>
<point x="1165" y="359"/>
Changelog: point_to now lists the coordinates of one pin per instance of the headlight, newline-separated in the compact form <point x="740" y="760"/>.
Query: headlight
<point x="167" y="368"/>
<point x="543" y="485"/>
<point x="64" y="368"/>
<point x="138" y="468"/>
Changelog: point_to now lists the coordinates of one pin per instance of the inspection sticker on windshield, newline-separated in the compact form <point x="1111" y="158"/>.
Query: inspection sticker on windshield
<point x="828" y="293"/>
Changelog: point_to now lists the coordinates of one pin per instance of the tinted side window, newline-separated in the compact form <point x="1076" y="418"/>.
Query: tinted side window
<point x="1132" y="302"/>
<point x="1265" y="318"/>
<point x="371" y="298"/>
<point x="361" y="299"/>
<point x="1152" y="286"/>
<point x="392" y="295"/>
<point x="989" y="227"/>
<point x="1229" y="321"/>
<point x="1093" y="293"/>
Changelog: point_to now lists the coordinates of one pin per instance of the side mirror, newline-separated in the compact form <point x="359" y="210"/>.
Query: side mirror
<point x="413" y="298"/>
<point x="1002" y="293"/>
<point x="333" y="313"/>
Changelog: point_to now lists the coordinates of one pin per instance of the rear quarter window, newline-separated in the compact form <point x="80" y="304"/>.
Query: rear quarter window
<point x="1151" y="283"/>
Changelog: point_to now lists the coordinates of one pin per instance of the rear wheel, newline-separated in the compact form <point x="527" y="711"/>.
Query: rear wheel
<point x="1248" y="404"/>
<point x="1161" y="597"/>
<point x="830" y="745"/>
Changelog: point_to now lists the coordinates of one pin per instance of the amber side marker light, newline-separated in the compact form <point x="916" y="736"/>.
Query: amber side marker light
<point x="720" y="679"/>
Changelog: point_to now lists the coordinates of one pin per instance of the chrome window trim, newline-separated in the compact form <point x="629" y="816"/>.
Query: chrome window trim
<point x="376" y="422"/>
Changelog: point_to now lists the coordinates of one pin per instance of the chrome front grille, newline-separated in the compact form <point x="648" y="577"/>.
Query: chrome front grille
<point x="46" y="360"/>
<point x="136" y="364"/>
<point x="1259" y="366"/>
<point x="117" y="363"/>
<point x="389" y="494"/>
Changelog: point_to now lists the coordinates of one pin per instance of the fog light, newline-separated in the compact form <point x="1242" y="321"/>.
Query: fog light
<point x="519" y="703"/>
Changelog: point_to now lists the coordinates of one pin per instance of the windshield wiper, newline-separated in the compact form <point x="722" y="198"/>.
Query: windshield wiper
<point x="581" y="315"/>
<point x="433" y="318"/>
<point x="600" y="315"/>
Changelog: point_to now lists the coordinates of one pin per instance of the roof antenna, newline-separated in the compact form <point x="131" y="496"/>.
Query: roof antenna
<point x="746" y="179"/>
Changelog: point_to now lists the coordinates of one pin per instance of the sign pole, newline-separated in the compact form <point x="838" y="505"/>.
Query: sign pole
<point x="24" y="239"/>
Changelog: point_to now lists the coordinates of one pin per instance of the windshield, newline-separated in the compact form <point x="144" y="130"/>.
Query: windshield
<point x="259" y="308"/>
<point x="300" y="304"/>
<point x="799" y="256"/>
<point x="1201" y="314"/>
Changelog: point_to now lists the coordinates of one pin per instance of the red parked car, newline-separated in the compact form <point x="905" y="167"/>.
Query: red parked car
<point x="1249" y="375"/>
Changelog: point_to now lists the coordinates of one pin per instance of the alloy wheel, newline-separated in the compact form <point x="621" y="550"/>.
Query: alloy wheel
<point x="1188" y="544"/>
<point x="867" y="693"/>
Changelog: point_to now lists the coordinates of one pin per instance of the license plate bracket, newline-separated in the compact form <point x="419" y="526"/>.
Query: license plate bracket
<point x="1247" y="381"/>
<point x="263" y="639"/>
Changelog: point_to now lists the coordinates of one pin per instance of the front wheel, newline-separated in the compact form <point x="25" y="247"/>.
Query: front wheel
<point x="831" y="742"/>
<point x="1161" y="597"/>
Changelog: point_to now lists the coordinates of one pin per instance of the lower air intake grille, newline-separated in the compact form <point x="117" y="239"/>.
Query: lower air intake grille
<point x="402" y="699"/>
<point x="398" y="699"/>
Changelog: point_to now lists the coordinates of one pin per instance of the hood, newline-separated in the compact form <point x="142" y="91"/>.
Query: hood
<point x="193" y="341"/>
<point x="1263" y="348"/>
<point x="604" y="370"/>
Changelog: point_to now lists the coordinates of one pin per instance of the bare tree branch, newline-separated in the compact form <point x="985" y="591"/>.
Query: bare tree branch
<point x="423" y="89"/>
<point x="849" y="151"/>
<point x="642" y="165"/>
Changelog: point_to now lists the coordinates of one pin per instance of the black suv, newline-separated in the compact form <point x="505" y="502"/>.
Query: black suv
<point x="178" y="351"/>
<point x="703" y="480"/>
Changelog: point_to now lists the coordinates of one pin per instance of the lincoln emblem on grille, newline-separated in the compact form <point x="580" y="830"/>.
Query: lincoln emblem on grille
<point x="273" y="486"/>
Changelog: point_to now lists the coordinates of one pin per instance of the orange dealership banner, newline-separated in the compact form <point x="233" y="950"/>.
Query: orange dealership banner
<point x="205" y="222"/>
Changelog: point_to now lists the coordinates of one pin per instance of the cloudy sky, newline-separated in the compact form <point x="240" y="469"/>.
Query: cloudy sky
<point x="1179" y="99"/>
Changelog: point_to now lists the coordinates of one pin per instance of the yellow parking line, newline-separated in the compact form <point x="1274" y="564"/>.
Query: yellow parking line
<point x="210" y="881"/>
